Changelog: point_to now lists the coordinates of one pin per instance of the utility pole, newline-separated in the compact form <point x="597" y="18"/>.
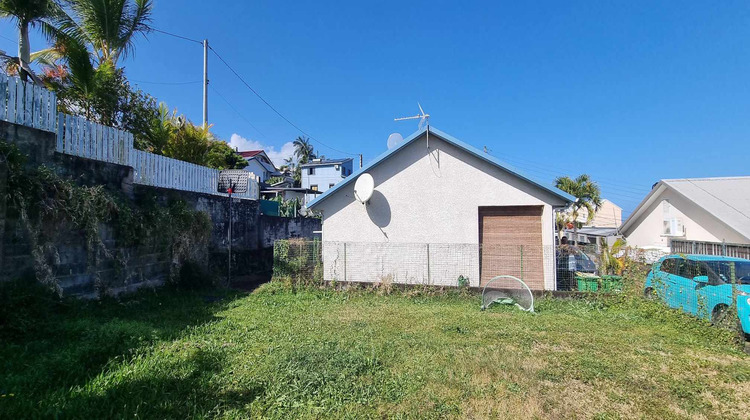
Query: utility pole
<point x="205" y="83"/>
<point x="360" y="161"/>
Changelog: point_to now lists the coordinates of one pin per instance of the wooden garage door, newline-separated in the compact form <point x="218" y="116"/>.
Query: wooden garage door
<point x="510" y="239"/>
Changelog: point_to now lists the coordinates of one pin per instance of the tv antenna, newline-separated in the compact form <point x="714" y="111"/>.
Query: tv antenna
<point x="424" y="121"/>
<point x="422" y="117"/>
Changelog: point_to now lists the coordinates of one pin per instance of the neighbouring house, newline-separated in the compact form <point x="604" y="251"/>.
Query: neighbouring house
<point x="260" y="164"/>
<point x="322" y="174"/>
<point x="609" y="215"/>
<point x="288" y="193"/>
<point x="697" y="209"/>
<point x="440" y="209"/>
<point x="605" y="224"/>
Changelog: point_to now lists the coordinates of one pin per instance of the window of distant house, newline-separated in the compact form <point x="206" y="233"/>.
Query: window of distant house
<point x="330" y="185"/>
<point x="314" y="187"/>
<point x="672" y="225"/>
<point x="311" y="171"/>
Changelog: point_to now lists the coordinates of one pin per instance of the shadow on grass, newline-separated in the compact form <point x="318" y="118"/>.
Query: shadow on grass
<point x="49" y="347"/>
<point x="189" y="388"/>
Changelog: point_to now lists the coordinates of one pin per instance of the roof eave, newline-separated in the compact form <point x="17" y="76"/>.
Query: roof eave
<point x="567" y="198"/>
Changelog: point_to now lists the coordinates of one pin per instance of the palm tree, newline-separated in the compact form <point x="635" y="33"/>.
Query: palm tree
<point x="303" y="149"/>
<point x="27" y="13"/>
<point x="108" y="27"/>
<point x="289" y="165"/>
<point x="587" y="194"/>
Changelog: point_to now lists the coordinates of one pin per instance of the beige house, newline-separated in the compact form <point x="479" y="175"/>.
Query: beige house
<point x="698" y="209"/>
<point x="609" y="215"/>
<point x="441" y="209"/>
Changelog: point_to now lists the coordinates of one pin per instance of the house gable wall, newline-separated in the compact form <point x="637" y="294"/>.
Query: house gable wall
<point x="431" y="196"/>
<point x="647" y="230"/>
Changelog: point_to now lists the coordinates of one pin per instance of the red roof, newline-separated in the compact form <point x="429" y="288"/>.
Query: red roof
<point x="250" y="153"/>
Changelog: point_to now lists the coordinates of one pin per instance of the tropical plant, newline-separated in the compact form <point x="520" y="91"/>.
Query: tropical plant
<point x="587" y="194"/>
<point x="303" y="149"/>
<point x="26" y="14"/>
<point x="275" y="180"/>
<point x="108" y="27"/>
<point x="613" y="257"/>
<point x="175" y="136"/>
<point x="289" y="165"/>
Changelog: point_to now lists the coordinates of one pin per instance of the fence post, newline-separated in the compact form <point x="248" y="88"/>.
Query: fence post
<point x="345" y="261"/>
<point x="429" y="279"/>
<point x="723" y="248"/>
<point x="521" y="262"/>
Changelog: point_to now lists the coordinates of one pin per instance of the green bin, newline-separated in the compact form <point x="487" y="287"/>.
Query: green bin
<point x="611" y="284"/>
<point x="587" y="284"/>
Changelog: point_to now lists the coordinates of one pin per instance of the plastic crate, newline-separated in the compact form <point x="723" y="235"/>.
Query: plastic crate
<point x="587" y="284"/>
<point x="611" y="284"/>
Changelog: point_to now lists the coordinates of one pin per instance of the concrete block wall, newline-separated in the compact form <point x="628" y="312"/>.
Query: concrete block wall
<point x="135" y="267"/>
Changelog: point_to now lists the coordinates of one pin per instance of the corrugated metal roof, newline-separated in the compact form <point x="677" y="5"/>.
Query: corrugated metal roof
<point x="250" y="153"/>
<point x="727" y="199"/>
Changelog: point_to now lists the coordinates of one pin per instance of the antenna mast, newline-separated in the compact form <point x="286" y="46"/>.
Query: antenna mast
<point x="424" y="120"/>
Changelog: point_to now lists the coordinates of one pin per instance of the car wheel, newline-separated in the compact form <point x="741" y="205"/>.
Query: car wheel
<point x="649" y="293"/>
<point x="721" y="317"/>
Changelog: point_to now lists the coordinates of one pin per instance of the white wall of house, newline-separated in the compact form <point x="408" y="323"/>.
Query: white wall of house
<point x="425" y="196"/>
<point x="258" y="169"/>
<point x="648" y="230"/>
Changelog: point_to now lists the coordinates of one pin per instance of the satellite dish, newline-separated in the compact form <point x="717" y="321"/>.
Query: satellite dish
<point x="364" y="188"/>
<point x="394" y="139"/>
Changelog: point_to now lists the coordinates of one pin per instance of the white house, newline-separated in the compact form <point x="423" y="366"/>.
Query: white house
<point x="698" y="209"/>
<point x="260" y="164"/>
<point x="322" y="174"/>
<point x="441" y="209"/>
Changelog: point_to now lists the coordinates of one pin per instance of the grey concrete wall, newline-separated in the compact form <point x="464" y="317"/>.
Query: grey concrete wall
<point x="274" y="228"/>
<point x="134" y="267"/>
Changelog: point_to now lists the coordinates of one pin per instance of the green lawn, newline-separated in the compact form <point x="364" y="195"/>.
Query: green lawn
<point x="279" y="354"/>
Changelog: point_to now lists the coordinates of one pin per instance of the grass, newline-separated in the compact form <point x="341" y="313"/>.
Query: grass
<point x="279" y="353"/>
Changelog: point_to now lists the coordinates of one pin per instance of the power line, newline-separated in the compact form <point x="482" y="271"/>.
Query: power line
<point x="274" y="109"/>
<point x="167" y="83"/>
<point x="712" y="195"/>
<point x="177" y="36"/>
<point x="11" y="40"/>
<point x="236" y="111"/>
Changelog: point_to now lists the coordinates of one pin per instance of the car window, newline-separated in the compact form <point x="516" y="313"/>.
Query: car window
<point x="742" y="271"/>
<point x="722" y="271"/>
<point x="690" y="269"/>
<point x="669" y="266"/>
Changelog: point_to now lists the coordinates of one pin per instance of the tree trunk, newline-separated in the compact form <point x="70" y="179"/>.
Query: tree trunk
<point x="24" y="49"/>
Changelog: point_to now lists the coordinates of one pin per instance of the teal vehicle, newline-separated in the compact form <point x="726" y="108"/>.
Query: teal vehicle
<point x="701" y="285"/>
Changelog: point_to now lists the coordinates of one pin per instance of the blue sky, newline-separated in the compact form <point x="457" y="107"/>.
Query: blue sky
<point x="628" y="92"/>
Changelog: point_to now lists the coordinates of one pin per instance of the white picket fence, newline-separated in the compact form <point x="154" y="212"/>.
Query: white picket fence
<point x="34" y="106"/>
<point x="80" y="137"/>
<point x="164" y="172"/>
<point x="27" y="104"/>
